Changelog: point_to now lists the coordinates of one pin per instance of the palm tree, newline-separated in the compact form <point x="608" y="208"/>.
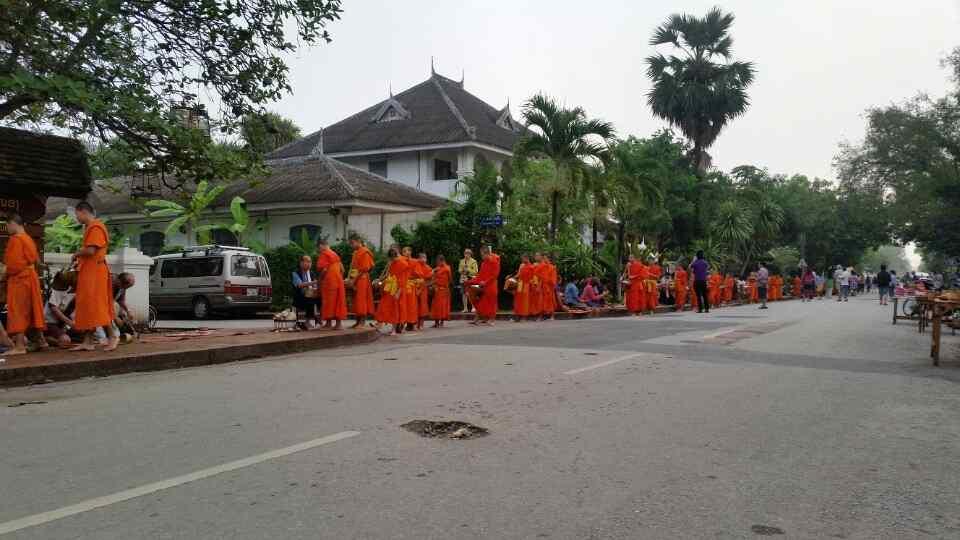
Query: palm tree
<point x="635" y="171"/>
<point x="568" y="138"/>
<point x="693" y="91"/>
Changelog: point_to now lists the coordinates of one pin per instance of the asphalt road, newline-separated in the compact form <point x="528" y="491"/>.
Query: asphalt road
<point x="815" y="420"/>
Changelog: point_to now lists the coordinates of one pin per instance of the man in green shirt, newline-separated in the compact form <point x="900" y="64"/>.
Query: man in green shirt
<point x="468" y="268"/>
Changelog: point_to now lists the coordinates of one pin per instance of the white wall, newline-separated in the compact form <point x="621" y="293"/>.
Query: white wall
<point x="123" y="260"/>
<point x="277" y="231"/>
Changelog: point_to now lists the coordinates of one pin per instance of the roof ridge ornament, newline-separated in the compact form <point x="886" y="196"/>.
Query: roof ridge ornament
<point x="433" y="71"/>
<point x="470" y="130"/>
<point x="318" y="149"/>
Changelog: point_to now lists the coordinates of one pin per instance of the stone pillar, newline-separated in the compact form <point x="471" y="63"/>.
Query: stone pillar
<point x="125" y="259"/>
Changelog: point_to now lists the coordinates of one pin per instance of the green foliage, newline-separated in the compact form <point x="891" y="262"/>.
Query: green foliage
<point x="112" y="69"/>
<point x="568" y="138"/>
<point x="283" y="262"/>
<point x="701" y="90"/>
<point x="242" y="226"/>
<point x="893" y="256"/>
<point x="65" y="235"/>
<point x="187" y="216"/>
<point x="267" y="131"/>
<point x="907" y="166"/>
<point x="783" y="260"/>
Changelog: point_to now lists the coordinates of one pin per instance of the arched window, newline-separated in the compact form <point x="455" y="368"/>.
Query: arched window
<point x="151" y="243"/>
<point x="312" y="233"/>
<point x="223" y="237"/>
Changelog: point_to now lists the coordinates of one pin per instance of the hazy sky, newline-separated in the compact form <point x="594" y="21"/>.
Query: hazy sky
<point x="820" y="63"/>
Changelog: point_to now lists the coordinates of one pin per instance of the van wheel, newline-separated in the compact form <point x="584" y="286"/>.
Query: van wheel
<point x="201" y="308"/>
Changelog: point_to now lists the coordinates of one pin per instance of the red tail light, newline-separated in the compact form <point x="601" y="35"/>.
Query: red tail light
<point x="229" y="288"/>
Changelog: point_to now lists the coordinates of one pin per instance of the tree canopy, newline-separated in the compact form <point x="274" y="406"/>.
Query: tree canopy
<point x="701" y="89"/>
<point x="117" y="69"/>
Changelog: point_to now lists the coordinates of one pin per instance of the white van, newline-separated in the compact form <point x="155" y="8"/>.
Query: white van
<point x="206" y="279"/>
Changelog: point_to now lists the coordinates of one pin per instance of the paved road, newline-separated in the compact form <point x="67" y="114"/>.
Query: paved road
<point x="820" y="420"/>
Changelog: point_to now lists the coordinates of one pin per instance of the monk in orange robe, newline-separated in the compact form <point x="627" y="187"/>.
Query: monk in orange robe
<point x="653" y="279"/>
<point x="680" y="282"/>
<point x="797" y="287"/>
<point x="752" y="293"/>
<point x="714" y="283"/>
<point x="390" y="309"/>
<point x="424" y="273"/>
<point x="333" y="293"/>
<point x="536" y="288"/>
<point x="440" y="280"/>
<point x="521" y="297"/>
<point x="94" y="299"/>
<point x="636" y="294"/>
<point x="409" y="297"/>
<point x="729" y="288"/>
<point x="361" y="263"/>
<point x="487" y="278"/>
<point x="24" y="301"/>
<point x="548" y="298"/>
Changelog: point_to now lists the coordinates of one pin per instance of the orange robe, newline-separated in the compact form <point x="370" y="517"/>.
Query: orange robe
<point x="440" y="309"/>
<point x="752" y="293"/>
<point x="680" y="280"/>
<point x="333" y="294"/>
<point x="536" y="290"/>
<point x="408" y="295"/>
<point x="423" y="272"/>
<point x="361" y="263"/>
<point x="653" y="293"/>
<point x="24" y="301"/>
<point x="487" y="277"/>
<point x="797" y="287"/>
<point x="94" y="299"/>
<point x="637" y="274"/>
<point x="729" y="288"/>
<point x="548" y="289"/>
<point x="713" y="288"/>
<point x="390" y="310"/>
<point x="521" y="297"/>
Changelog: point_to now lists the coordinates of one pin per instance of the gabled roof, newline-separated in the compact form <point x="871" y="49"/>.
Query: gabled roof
<point x="43" y="164"/>
<point x="436" y="111"/>
<point x="304" y="180"/>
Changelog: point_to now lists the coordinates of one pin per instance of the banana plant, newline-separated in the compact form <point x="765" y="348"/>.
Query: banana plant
<point x="187" y="216"/>
<point x="243" y="227"/>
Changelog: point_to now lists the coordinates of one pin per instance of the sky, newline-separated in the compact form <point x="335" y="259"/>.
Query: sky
<point x="820" y="64"/>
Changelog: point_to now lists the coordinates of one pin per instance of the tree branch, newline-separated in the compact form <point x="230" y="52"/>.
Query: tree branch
<point x="11" y="105"/>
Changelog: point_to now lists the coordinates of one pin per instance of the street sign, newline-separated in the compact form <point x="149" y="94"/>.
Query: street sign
<point x="491" y="222"/>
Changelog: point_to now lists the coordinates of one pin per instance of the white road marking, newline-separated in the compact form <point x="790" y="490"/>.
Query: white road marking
<point x="603" y="364"/>
<point x="126" y="495"/>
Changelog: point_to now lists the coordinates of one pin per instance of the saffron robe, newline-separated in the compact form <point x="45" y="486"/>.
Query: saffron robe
<point x="333" y="294"/>
<point x="637" y="275"/>
<point x="440" y="309"/>
<point x="361" y="263"/>
<point x="680" y="281"/>
<point x="390" y="309"/>
<point x="487" y="278"/>
<point x="94" y="299"/>
<point x="24" y="301"/>
<point x="653" y="293"/>
<point x="521" y="297"/>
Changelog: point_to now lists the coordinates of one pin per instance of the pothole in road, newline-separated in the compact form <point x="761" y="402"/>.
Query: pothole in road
<point x="444" y="430"/>
<point x="766" y="530"/>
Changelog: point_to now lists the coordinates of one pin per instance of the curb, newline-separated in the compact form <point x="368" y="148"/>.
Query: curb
<point x="612" y="313"/>
<point x="159" y="361"/>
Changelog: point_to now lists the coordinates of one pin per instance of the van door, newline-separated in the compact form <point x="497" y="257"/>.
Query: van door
<point x="248" y="272"/>
<point x="174" y="277"/>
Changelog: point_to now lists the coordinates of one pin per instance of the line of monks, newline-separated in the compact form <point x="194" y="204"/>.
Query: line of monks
<point x="94" y="290"/>
<point x="643" y="283"/>
<point x="407" y="282"/>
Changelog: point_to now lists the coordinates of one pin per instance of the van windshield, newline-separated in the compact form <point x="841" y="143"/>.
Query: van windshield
<point x="246" y="266"/>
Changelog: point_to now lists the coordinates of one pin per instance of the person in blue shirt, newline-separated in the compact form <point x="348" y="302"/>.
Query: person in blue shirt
<point x="571" y="295"/>
<point x="305" y="290"/>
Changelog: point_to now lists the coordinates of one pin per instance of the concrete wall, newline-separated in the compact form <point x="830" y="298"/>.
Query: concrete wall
<point x="416" y="169"/>
<point x="124" y="260"/>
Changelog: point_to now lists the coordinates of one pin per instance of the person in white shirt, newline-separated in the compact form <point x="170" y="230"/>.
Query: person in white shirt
<point x="57" y="313"/>
<point x="844" y="279"/>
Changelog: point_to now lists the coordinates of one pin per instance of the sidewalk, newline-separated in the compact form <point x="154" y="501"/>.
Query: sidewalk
<point x="614" y="311"/>
<point x="166" y="351"/>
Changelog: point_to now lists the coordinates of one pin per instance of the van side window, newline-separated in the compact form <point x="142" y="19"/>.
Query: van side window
<point x="245" y="266"/>
<point x="169" y="268"/>
<point x="208" y="267"/>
